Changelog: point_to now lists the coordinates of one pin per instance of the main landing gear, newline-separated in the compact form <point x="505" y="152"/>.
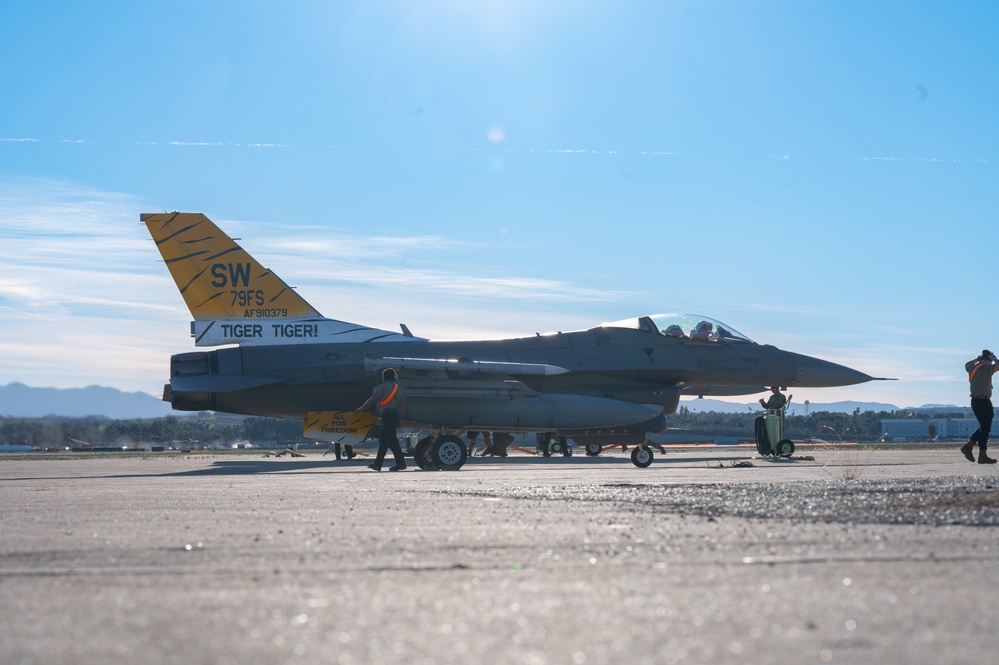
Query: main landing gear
<point x="641" y="455"/>
<point x="439" y="451"/>
<point x="548" y="445"/>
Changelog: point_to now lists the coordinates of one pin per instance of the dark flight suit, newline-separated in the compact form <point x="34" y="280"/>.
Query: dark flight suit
<point x="388" y="396"/>
<point x="980" y="375"/>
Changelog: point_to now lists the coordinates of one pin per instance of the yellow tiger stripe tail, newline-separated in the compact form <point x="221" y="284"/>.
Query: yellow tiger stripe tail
<point x="217" y="278"/>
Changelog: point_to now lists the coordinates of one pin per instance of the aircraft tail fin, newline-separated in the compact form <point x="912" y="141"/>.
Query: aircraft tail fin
<point x="218" y="279"/>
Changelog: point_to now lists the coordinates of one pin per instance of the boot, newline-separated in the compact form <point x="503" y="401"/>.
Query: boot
<point x="983" y="458"/>
<point x="968" y="450"/>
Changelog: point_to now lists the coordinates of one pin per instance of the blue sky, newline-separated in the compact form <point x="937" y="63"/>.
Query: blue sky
<point x="820" y="175"/>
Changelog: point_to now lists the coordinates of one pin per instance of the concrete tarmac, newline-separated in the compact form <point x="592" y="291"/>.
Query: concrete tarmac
<point x="853" y="557"/>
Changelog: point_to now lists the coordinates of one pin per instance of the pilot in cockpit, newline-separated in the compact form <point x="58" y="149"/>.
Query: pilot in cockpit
<point x="702" y="332"/>
<point x="674" y="331"/>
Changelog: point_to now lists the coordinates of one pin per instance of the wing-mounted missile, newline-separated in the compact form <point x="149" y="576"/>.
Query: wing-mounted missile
<point x="376" y="363"/>
<point x="460" y="377"/>
<point x="722" y="391"/>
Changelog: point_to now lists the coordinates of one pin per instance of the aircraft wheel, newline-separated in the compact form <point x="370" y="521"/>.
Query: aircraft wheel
<point x="449" y="453"/>
<point x="641" y="456"/>
<point x="593" y="449"/>
<point x="785" y="448"/>
<point x="421" y="454"/>
<point x="556" y="446"/>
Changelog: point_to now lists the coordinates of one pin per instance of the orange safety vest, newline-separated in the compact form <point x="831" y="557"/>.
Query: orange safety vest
<point x="395" y="387"/>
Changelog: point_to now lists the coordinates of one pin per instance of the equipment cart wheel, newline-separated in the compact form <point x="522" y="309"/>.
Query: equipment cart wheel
<point x="785" y="448"/>
<point x="449" y="453"/>
<point x="641" y="456"/>
<point x="593" y="449"/>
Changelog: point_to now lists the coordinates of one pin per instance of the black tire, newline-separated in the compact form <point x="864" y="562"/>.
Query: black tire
<point x="421" y="454"/>
<point x="449" y="453"/>
<point x="785" y="448"/>
<point x="556" y="446"/>
<point x="641" y="456"/>
<point x="593" y="449"/>
<point x="762" y="439"/>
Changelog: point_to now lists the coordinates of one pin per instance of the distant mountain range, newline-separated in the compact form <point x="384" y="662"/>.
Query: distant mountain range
<point x="798" y="408"/>
<point x="700" y="405"/>
<point x="20" y="401"/>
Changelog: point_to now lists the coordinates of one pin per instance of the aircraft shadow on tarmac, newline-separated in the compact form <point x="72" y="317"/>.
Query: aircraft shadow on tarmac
<point x="241" y="467"/>
<point x="245" y="467"/>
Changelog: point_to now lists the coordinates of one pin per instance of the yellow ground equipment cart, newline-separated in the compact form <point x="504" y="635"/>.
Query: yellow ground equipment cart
<point x="770" y="439"/>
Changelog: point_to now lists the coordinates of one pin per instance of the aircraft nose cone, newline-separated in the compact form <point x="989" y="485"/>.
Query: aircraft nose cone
<point x="817" y="373"/>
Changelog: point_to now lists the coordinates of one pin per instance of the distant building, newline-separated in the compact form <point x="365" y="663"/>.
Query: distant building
<point x="919" y="428"/>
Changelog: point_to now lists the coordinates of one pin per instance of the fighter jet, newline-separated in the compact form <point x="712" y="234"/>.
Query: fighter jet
<point x="612" y="383"/>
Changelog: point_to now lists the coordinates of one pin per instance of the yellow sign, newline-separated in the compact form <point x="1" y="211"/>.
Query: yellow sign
<point x="349" y="427"/>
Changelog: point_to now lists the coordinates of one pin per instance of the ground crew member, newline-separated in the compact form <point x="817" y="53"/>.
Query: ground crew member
<point x="348" y="450"/>
<point x="389" y="399"/>
<point x="775" y="401"/>
<point x="980" y="371"/>
<point x="472" y="436"/>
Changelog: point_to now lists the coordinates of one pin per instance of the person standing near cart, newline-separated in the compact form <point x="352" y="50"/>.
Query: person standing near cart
<point x="776" y="399"/>
<point x="390" y="401"/>
<point x="980" y="371"/>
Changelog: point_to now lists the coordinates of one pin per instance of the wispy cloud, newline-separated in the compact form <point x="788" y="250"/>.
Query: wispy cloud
<point x="220" y="144"/>
<point x="930" y="160"/>
<point x="567" y="151"/>
<point x="320" y="244"/>
<point x="448" y="283"/>
<point x="86" y="299"/>
<point x="316" y="256"/>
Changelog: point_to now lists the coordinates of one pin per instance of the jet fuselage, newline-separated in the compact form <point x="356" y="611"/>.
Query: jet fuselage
<point x="613" y="368"/>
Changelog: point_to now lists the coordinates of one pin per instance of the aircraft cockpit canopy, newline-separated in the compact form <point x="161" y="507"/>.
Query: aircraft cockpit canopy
<point x="683" y="326"/>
